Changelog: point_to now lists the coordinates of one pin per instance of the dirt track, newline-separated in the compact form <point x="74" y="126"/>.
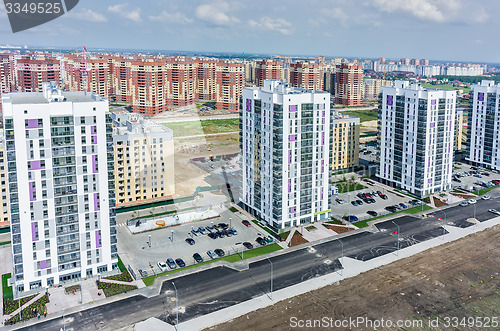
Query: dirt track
<point x="458" y="279"/>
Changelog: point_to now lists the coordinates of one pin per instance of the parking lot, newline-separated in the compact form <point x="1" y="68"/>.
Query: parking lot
<point x="339" y="210"/>
<point x="163" y="246"/>
<point x="472" y="179"/>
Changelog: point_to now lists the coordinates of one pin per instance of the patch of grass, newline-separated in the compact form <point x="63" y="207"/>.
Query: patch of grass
<point x="361" y="224"/>
<point x="11" y="306"/>
<point x="72" y="288"/>
<point x="111" y="289"/>
<point x="121" y="266"/>
<point x="192" y="128"/>
<point x="284" y="235"/>
<point x="271" y="232"/>
<point x="466" y="90"/>
<point x="230" y="258"/>
<point x="486" y="190"/>
<point x="335" y="222"/>
<point x="416" y="209"/>
<point x="36" y="308"/>
<point x="310" y="228"/>
<point x="157" y="215"/>
<point x="6" y="289"/>
<point x="364" y="115"/>
<point x="234" y="210"/>
<point x="344" y="188"/>
<point x="5" y="243"/>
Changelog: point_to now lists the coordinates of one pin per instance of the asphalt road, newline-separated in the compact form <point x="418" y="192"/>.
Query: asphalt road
<point x="214" y="289"/>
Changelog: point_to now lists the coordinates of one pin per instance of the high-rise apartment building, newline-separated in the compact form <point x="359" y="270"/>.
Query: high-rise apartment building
<point x="484" y="125"/>
<point x="372" y="87"/>
<point x="60" y="176"/>
<point x="143" y="159"/>
<point x="149" y="87"/>
<point x="92" y="76"/>
<point x="35" y="69"/>
<point x="205" y="80"/>
<point x="459" y="130"/>
<point x="416" y="137"/>
<point x="344" y="141"/>
<point x="181" y="74"/>
<point x="307" y="75"/>
<point x="7" y="73"/>
<point x="229" y="82"/>
<point x="122" y="79"/>
<point x="348" y="85"/>
<point x="4" y="201"/>
<point x="285" y="154"/>
<point x="268" y="70"/>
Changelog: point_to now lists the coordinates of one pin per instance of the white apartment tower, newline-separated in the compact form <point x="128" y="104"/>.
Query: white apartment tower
<point x="60" y="176"/>
<point x="483" y="136"/>
<point x="416" y="137"/>
<point x="285" y="154"/>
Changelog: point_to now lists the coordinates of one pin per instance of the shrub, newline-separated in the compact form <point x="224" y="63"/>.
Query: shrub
<point x="124" y="277"/>
<point x="110" y="289"/>
<point x="33" y="310"/>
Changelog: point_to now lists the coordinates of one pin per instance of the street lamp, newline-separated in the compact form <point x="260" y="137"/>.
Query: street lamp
<point x="172" y="235"/>
<point x="444" y="221"/>
<point x="176" y="308"/>
<point x="271" y="277"/>
<point x="242" y="247"/>
<point x="342" y="269"/>
<point x="398" y="236"/>
<point x="230" y="222"/>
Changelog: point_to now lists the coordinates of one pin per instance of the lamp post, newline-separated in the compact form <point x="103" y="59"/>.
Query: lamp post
<point x="342" y="269"/>
<point x="230" y="222"/>
<point x="398" y="236"/>
<point x="271" y="277"/>
<point x="172" y="235"/>
<point x="176" y="308"/>
<point x="444" y="221"/>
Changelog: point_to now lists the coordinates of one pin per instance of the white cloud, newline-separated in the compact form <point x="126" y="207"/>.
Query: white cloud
<point x="216" y="14"/>
<point x="428" y="10"/>
<point x="171" y="17"/>
<point x="122" y="10"/>
<point x="87" y="15"/>
<point x="272" y="24"/>
<point x="337" y="14"/>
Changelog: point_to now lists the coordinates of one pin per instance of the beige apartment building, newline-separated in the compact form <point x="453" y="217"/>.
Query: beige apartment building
<point x="344" y="142"/>
<point x="143" y="159"/>
<point x="459" y="125"/>
<point x="372" y="87"/>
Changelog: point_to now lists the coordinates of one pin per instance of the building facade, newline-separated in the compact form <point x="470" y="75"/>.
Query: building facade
<point x="372" y="87"/>
<point x="459" y="130"/>
<point x="307" y="75"/>
<point x="344" y="141"/>
<point x="143" y="159"/>
<point x="4" y="200"/>
<point x="60" y="176"/>
<point x="348" y="85"/>
<point x="285" y="154"/>
<point x="416" y="137"/>
<point x="484" y="125"/>
<point x="229" y="82"/>
<point x="268" y="70"/>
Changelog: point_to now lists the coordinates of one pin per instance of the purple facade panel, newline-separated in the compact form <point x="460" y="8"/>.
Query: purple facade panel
<point x="34" y="231"/>
<point x="289" y="157"/>
<point x="94" y="139"/>
<point x="289" y="185"/>
<point x="293" y="137"/>
<point x="96" y="202"/>
<point x="98" y="239"/>
<point x="94" y="164"/>
<point x="293" y="108"/>
<point x="35" y="165"/>
<point x="92" y="129"/>
<point x="33" y="124"/>
<point x="43" y="264"/>
<point x="389" y="100"/>
<point x="433" y="102"/>
<point x="480" y="96"/>
<point x="32" y="191"/>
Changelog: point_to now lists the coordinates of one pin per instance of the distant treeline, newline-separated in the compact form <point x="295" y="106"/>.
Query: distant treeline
<point x="468" y="79"/>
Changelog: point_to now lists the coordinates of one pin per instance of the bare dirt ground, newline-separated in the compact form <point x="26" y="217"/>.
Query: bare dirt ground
<point x="187" y="175"/>
<point x="456" y="280"/>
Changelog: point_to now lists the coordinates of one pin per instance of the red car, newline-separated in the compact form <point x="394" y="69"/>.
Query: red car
<point x="245" y="223"/>
<point x="248" y="245"/>
<point x="379" y="193"/>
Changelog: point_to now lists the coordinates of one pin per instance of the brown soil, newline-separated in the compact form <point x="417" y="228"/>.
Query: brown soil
<point x="339" y="229"/>
<point x="187" y="175"/>
<point x="459" y="279"/>
<point x="297" y="239"/>
<point x="438" y="203"/>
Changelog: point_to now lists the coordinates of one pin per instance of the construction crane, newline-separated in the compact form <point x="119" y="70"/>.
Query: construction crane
<point x="83" y="70"/>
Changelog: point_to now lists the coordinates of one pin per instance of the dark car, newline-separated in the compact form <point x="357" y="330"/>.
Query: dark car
<point x="402" y="205"/>
<point x="143" y="273"/>
<point x="383" y="196"/>
<point x="180" y="263"/>
<point x="190" y="241"/>
<point x="354" y="202"/>
<point x="359" y="202"/>
<point x="351" y="218"/>
<point x="372" y="200"/>
<point x="219" y="252"/>
<point x="379" y="193"/>
<point x="171" y="264"/>
<point x="245" y="223"/>
<point x="223" y="225"/>
<point x="210" y="228"/>
<point x="360" y="195"/>
<point x="197" y="257"/>
<point x="392" y="209"/>
<point x="261" y="241"/>
<point x="372" y="213"/>
<point x="232" y="231"/>
<point x="213" y="235"/>
<point x="248" y="245"/>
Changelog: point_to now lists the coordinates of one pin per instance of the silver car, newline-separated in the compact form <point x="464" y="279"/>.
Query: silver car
<point x="212" y="254"/>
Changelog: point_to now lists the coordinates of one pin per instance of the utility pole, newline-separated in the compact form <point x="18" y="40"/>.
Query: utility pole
<point x="176" y="308"/>
<point x="398" y="235"/>
<point x="271" y="277"/>
<point x="342" y="269"/>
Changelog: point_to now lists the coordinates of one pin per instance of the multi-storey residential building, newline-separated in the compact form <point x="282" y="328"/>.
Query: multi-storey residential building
<point x="35" y="69"/>
<point x="60" y="175"/>
<point x="229" y="78"/>
<point x="7" y="73"/>
<point x="143" y="159"/>
<point x="149" y="87"/>
<point x="344" y="141"/>
<point x="372" y="87"/>
<point x="348" y="85"/>
<point x="122" y="79"/>
<point x="92" y="76"/>
<point x="181" y="74"/>
<point x="416" y="136"/>
<point x="307" y="75"/>
<point x="483" y="125"/>
<point x="459" y="129"/>
<point x="268" y="70"/>
<point x="205" y="80"/>
<point x="4" y="201"/>
<point x="285" y="154"/>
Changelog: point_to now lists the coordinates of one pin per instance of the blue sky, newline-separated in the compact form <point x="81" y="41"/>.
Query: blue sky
<point x="460" y="30"/>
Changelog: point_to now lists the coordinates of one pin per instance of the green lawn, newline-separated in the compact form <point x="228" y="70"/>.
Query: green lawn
<point x="364" y="115"/>
<point x="231" y="258"/>
<point x="361" y="224"/>
<point x="485" y="190"/>
<point x="4" y="243"/>
<point x="193" y="128"/>
<point x="6" y="290"/>
<point x="343" y="188"/>
<point x="111" y="289"/>
<point x="447" y="87"/>
<point x="413" y="210"/>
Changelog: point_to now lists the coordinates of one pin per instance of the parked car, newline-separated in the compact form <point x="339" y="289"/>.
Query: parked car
<point x="372" y="213"/>
<point x="456" y="180"/>
<point x="197" y="257"/>
<point x="403" y="206"/>
<point x="383" y="196"/>
<point x="219" y="252"/>
<point x="261" y="241"/>
<point x="213" y="235"/>
<point x="171" y="264"/>
<point x="414" y="202"/>
<point x="379" y="193"/>
<point x="485" y="197"/>
<point x="359" y="202"/>
<point x="372" y="200"/>
<point x="391" y="209"/>
<point x="211" y="254"/>
<point x="494" y="211"/>
<point x="485" y="174"/>
<point x="478" y="176"/>
<point x="162" y="266"/>
<point x="202" y="230"/>
<point x="195" y="232"/>
<point x="354" y="203"/>
<point x="210" y="228"/>
<point x="339" y="201"/>
<point x="351" y="218"/>
<point x="143" y="272"/>
<point x="463" y="204"/>
<point x="471" y="201"/>
<point x="248" y="245"/>
<point x="190" y="241"/>
<point x="220" y="234"/>
<point x="232" y="231"/>
<point x="246" y="223"/>
<point x="180" y="262"/>
<point x="223" y="226"/>
<point x="269" y="239"/>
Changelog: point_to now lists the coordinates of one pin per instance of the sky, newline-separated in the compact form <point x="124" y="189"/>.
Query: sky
<point x="455" y="30"/>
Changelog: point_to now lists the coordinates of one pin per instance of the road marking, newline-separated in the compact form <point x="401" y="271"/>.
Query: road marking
<point x="327" y="262"/>
<point x="311" y="250"/>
